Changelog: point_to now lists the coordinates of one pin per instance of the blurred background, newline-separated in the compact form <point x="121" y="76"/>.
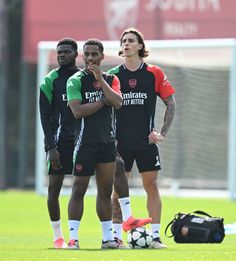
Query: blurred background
<point x="195" y="154"/>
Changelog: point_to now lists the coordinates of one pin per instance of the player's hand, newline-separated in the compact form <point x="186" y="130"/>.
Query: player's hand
<point x="95" y="69"/>
<point x="54" y="158"/>
<point x="155" y="137"/>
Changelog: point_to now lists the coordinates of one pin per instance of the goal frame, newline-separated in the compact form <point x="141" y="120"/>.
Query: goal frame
<point x="45" y="47"/>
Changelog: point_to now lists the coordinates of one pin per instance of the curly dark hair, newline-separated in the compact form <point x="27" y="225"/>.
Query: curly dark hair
<point x="68" y="41"/>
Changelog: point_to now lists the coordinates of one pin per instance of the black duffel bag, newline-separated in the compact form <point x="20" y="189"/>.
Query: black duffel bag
<point x="191" y="228"/>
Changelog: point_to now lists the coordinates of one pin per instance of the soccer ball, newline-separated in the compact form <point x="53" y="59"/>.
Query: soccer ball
<point x="139" y="237"/>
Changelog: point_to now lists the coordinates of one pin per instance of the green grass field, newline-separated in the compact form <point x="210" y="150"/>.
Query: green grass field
<point x="25" y="232"/>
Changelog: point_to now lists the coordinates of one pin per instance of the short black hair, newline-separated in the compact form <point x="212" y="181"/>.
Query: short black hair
<point x="68" y="41"/>
<point x="94" y="41"/>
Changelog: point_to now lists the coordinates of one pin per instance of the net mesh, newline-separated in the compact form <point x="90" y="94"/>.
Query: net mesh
<point x="195" y="151"/>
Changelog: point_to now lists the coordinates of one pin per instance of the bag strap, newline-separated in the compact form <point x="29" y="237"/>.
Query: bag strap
<point x="168" y="227"/>
<point x="182" y="220"/>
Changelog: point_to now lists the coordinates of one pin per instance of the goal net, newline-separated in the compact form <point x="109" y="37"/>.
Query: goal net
<point x="200" y="149"/>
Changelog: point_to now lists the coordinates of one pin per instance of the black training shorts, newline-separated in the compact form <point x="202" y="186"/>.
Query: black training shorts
<point x="66" y="151"/>
<point x="89" y="155"/>
<point x="147" y="160"/>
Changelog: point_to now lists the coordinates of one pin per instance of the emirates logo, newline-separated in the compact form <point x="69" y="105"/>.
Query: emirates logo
<point x="96" y="85"/>
<point x="132" y="83"/>
<point x="78" y="167"/>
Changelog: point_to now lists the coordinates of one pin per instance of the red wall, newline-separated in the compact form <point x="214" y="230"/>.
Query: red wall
<point x="106" y="19"/>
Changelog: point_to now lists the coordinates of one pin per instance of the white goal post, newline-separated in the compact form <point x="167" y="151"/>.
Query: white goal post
<point x="172" y="53"/>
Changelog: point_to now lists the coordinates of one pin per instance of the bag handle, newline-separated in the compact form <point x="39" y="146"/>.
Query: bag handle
<point x="201" y="213"/>
<point x="181" y="222"/>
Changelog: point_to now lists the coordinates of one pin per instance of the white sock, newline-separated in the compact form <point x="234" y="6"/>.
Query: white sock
<point x="117" y="230"/>
<point x="56" y="227"/>
<point x="74" y="227"/>
<point x="107" y="230"/>
<point x="125" y="208"/>
<point x="155" y="230"/>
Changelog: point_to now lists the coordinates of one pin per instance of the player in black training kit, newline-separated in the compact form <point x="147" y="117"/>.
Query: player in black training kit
<point x="88" y="92"/>
<point x="141" y="84"/>
<point x="59" y="126"/>
<point x="92" y="94"/>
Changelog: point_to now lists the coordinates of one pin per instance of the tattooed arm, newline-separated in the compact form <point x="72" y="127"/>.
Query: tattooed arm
<point x="155" y="137"/>
<point x="169" y="114"/>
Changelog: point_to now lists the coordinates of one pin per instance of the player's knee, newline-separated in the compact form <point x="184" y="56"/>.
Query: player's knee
<point x="54" y="190"/>
<point x="151" y="187"/>
<point x="120" y="166"/>
<point x="79" y="189"/>
<point x="105" y="192"/>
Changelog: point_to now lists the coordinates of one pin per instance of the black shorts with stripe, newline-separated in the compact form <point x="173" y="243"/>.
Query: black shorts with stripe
<point x="147" y="160"/>
<point x="89" y="155"/>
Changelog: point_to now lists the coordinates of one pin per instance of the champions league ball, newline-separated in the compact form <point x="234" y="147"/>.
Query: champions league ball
<point x="139" y="237"/>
